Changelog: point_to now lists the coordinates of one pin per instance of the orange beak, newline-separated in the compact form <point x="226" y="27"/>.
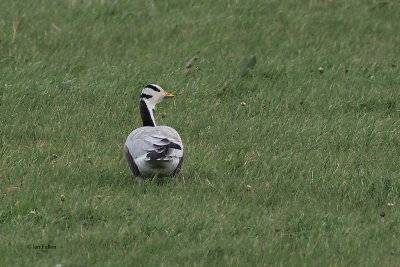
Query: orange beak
<point x="168" y="95"/>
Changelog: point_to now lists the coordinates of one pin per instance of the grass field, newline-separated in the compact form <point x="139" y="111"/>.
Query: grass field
<point x="300" y="173"/>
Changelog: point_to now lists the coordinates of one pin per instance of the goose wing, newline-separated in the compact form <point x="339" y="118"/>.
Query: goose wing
<point x="160" y="142"/>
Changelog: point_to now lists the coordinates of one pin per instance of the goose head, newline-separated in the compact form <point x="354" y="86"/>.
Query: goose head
<point x="151" y="95"/>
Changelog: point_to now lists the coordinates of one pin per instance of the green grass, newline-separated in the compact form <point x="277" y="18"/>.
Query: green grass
<point x="320" y="150"/>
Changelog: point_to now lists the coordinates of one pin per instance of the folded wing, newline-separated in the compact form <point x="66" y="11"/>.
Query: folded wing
<point x="157" y="143"/>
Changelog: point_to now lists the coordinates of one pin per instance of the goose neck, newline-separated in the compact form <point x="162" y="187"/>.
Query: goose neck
<point x="147" y="112"/>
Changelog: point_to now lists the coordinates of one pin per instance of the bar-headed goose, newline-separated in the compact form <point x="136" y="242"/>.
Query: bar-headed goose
<point x="153" y="150"/>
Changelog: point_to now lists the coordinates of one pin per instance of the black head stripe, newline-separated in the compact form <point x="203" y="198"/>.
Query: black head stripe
<point x="150" y="86"/>
<point x="146" y="96"/>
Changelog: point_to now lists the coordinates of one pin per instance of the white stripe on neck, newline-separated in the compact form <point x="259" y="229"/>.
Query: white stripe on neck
<point x="150" y="108"/>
